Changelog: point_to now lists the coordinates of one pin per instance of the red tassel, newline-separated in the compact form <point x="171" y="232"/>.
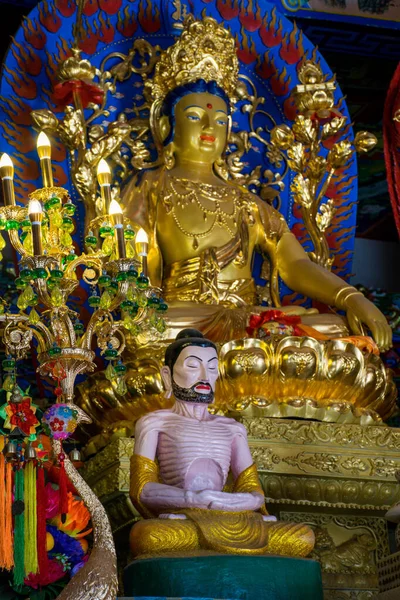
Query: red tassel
<point x="63" y="502"/>
<point x="41" y="524"/>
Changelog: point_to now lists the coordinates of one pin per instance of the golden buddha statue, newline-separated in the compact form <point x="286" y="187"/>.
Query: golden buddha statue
<point x="204" y="229"/>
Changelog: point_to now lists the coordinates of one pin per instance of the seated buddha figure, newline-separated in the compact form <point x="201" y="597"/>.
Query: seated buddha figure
<point x="203" y="229"/>
<point x="180" y="467"/>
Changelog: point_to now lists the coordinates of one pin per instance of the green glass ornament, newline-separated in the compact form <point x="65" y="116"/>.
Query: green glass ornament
<point x="104" y="280"/>
<point x="110" y="372"/>
<point x="20" y="283"/>
<point x="9" y="383"/>
<point x="120" y="368"/>
<point x="56" y="274"/>
<point x="11" y="224"/>
<point x="66" y="240"/>
<point x="91" y="240"/>
<point x="39" y="273"/>
<point x="121" y="387"/>
<point x="105" y="300"/>
<point x="69" y="208"/>
<point x="110" y="353"/>
<point x="34" y="317"/>
<point x="25" y="274"/>
<point x="94" y="301"/>
<point x="68" y="224"/>
<point x="53" y="202"/>
<point x="54" y="351"/>
<point x="132" y="274"/>
<point x="142" y="282"/>
<point x="142" y="301"/>
<point x="162" y="307"/>
<point x="8" y="364"/>
<point x="56" y="296"/>
<point x="129" y="234"/>
<point x="56" y="219"/>
<point x="106" y="231"/>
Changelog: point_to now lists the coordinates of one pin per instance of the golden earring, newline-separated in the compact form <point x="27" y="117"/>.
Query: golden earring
<point x="169" y="157"/>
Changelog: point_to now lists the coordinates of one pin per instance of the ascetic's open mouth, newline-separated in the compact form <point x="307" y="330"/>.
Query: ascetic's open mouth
<point x="203" y="388"/>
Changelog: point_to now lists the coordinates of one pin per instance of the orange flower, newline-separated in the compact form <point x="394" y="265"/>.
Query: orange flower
<point x="77" y="518"/>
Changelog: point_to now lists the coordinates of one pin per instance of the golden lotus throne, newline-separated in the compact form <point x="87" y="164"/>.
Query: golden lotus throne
<point x="203" y="230"/>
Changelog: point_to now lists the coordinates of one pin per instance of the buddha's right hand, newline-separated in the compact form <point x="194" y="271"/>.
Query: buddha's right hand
<point x="215" y="500"/>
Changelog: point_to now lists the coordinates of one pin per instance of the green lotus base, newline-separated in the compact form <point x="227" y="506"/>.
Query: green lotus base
<point x="225" y="577"/>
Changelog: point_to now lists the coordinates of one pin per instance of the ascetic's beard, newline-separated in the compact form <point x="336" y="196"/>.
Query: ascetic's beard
<point x="190" y="394"/>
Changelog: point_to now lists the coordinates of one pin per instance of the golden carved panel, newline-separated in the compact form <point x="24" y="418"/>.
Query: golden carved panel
<point x="348" y="549"/>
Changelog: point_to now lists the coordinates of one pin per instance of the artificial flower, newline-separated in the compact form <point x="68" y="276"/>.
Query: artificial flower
<point x="76" y="519"/>
<point x="54" y="573"/>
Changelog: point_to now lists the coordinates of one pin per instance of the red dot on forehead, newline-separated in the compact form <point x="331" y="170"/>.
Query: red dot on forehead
<point x="209" y="105"/>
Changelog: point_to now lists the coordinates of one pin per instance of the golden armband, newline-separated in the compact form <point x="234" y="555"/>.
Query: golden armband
<point x="248" y="481"/>
<point x="143" y="470"/>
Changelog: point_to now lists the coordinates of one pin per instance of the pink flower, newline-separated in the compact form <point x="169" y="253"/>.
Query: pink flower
<point x="52" y="504"/>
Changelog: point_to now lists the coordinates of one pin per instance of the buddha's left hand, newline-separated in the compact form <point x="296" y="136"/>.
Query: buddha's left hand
<point x="360" y="311"/>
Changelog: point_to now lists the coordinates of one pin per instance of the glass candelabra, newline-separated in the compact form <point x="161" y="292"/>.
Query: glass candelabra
<point x="113" y="265"/>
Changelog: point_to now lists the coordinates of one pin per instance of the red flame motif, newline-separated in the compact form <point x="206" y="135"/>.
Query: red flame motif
<point x="89" y="43"/>
<point x="18" y="111"/>
<point x="290" y="108"/>
<point x="16" y="136"/>
<point x="291" y="50"/>
<point x="49" y="17"/>
<point x="34" y="34"/>
<point x="60" y="176"/>
<point x="280" y="83"/>
<point x="26" y="167"/>
<point x="265" y="67"/>
<point x="251" y="21"/>
<point x="27" y="59"/>
<point x="126" y="23"/>
<point x="245" y="53"/>
<point x="66" y="7"/>
<point x="53" y="60"/>
<point x="149" y="23"/>
<point x="23" y="188"/>
<point x="271" y="33"/>
<point x="110" y="6"/>
<point x="228" y="9"/>
<point x="90" y="7"/>
<point x="58" y="151"/>
<point x="293" y="298"/>
<point x="105" y="30"/>
<point x="23" y="86"/>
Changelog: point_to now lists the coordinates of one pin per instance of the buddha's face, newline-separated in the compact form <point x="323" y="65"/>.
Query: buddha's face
<point x="201" y="128"/>
<point x="194" y="375"/>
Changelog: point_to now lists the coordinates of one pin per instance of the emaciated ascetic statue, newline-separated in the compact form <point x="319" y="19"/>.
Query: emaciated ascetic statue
<point x="180" y="467"/>
<point x="204" y="229"/>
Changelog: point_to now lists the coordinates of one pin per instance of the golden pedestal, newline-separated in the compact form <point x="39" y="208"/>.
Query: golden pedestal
<point x="338" y="478"/>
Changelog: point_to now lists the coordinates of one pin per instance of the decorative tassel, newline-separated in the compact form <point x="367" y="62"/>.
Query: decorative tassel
<point x="19" y="536"/>
<point x="2" y="510"/>
<point x="8" y="528"/>
<point x="31" y="561"/>
<point x="41" y="524"/>
<point x="63" y="489"/>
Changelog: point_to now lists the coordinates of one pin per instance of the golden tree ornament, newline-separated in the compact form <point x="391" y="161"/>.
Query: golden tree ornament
<point x="318" y="121"/>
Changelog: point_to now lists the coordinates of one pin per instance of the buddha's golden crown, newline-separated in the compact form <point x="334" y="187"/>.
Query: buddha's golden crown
<point x="205" y="50"/>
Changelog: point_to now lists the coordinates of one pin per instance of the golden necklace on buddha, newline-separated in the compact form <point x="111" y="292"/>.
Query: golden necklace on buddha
<point x="210" y="199"/>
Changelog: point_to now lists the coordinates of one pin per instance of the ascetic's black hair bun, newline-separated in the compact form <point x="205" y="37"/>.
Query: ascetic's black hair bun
<point x="189" y="333"/>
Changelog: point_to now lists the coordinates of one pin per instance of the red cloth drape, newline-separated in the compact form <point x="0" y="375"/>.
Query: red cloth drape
<point x="391" y="144"/>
